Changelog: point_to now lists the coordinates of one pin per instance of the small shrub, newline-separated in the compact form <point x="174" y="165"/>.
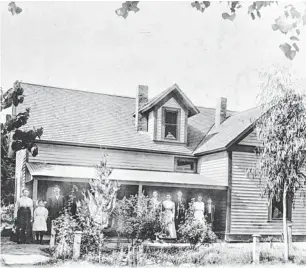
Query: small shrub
<point x="196" y="232"/>
<point x="64" y="226"/>
<point x="137" y="219"/>
<point x="7" y="214"/>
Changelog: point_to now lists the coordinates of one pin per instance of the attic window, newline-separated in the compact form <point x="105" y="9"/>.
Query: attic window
<point x="171" y="124"/>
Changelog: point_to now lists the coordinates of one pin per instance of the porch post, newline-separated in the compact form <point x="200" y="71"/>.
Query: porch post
<point x="139" y="189"/>
<point x="35" y="183"/>
<point x="256" y="249"/>
<point x="228" y="198"/>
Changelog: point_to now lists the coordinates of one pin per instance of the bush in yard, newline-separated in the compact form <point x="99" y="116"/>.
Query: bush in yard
<point x="93" y="211"/>
<point x="65" y="226"/>
<point x="7" y="216"/>
<point x="195" y="232"/>
<point x="137" y="219"/>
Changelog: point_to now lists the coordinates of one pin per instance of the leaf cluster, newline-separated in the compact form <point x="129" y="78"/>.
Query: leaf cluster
<point x="127" y="6"/>
<point x="14" y="139"/>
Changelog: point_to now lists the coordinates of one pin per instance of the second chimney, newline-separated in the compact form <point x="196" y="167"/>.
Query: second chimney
<point x="220" y="111"/>
<point x="141" y="121"/>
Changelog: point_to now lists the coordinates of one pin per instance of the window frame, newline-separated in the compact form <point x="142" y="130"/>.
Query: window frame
<point x="289" y="211"/>
<point x="194" y="160"/>
<point x="178" y="111"/>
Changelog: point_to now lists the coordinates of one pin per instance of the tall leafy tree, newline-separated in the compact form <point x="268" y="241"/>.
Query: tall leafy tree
<point x="282" y="130"/>
<point x="289" y="23"/>
<point x="14" y="139"/>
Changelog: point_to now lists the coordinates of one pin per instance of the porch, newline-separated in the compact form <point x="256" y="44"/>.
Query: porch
<point x="42" y="177"/>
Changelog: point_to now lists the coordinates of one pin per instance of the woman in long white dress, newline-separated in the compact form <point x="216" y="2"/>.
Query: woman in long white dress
<point x="199" y="208"/>
<point x="168" y="207"/>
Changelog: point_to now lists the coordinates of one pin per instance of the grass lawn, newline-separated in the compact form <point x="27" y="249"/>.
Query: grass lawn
<point x="218" y="254"/>
<point x="81" y="264"/>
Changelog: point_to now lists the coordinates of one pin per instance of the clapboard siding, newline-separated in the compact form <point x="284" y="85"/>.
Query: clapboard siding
<point x="151" y="124"/>
<point x="172" y="103"/>
<point x="251" y="139"/>
<point x="20" y="168"/>
<point x="249" y="211"/>
<point x="299" y="215"/>
<point x="214" y="166"/>
<point x="70" y="155"/>
<point x="219" y="200"/>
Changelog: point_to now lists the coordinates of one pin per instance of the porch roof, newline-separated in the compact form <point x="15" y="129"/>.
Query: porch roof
<point x="126" y="175"/>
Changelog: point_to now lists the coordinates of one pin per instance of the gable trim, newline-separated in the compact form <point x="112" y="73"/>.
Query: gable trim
<point x="169" y="97"/>
<point x="180" y="97"/>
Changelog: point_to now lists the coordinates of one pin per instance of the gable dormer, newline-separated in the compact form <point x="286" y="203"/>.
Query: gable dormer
<point x="167" y="115"/>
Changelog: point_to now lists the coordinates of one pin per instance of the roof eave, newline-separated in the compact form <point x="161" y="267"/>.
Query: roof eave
<point x="112" y="147"/>
<point x="210" y="151"/>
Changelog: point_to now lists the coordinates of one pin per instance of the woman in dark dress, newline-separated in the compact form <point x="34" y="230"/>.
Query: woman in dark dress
<point x="23" y="217"/>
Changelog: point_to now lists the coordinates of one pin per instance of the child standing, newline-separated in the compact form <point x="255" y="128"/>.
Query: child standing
<point x="40" y="221"/>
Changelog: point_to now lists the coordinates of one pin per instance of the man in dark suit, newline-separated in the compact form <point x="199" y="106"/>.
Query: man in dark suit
<point x="180" y="211"/>
<point x="55" y="205"/>
<point x="210" y="212"/>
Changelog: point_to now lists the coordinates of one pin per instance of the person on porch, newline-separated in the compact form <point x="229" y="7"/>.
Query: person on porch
<point x="23" y="215"/>
<point x="210" y="212"/>
<point x="154" y="200"/>
<point x="40" y="221"/>
<point x="180" y="210"/>
<point x="199" y="209"/>
<point x="168" y="208"/>
<point x="55" y="205"/>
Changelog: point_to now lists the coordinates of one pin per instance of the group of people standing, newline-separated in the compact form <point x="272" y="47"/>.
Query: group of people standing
<point x="174" y="212"/>
<point x="31" y="216"/>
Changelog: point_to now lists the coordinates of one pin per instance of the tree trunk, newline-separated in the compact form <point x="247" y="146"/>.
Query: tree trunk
<point x="286" y="246"/>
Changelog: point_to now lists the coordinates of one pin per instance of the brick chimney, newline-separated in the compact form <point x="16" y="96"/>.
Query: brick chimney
<point x="220" y="111"/>
<point x="141" y="121"/>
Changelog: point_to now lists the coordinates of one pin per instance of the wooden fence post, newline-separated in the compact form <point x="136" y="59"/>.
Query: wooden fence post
<point x="256" y="251"/>
<point x="77" y="244"/>
<point x="52" y="238"/>
<point x="290" y="235"/>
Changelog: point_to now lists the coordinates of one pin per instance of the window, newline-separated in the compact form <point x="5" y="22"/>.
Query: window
<point x="276" y="209"/>
<point x="185" y="165"/>
<point x="171" y="124"/>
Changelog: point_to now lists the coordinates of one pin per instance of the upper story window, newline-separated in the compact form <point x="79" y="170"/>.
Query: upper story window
<point x="171" y="124"/>
<point x="187" y="165"/>
<point x="276" y="209"/>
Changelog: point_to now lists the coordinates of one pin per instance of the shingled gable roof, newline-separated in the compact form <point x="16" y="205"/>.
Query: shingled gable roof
<point x="230" y="131"/>
<point x="192" y="109"/>
<point x="94" y="119"/>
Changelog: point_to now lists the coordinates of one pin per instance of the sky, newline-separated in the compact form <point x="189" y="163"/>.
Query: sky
<point x="86" y="46"/>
